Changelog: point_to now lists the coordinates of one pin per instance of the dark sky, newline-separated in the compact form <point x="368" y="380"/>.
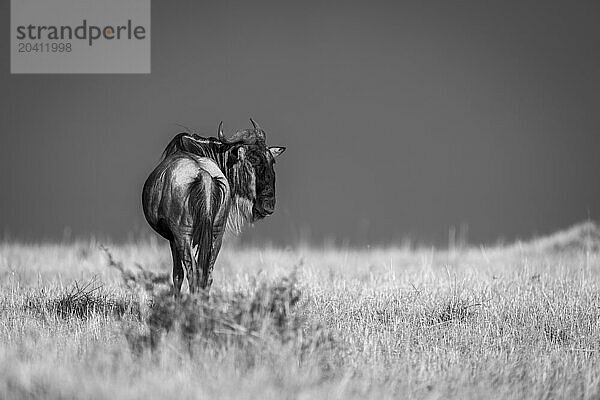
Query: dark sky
<point x="401" y="119"/>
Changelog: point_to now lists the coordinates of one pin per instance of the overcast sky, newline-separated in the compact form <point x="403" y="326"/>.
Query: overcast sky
<point x="401" y="119"/>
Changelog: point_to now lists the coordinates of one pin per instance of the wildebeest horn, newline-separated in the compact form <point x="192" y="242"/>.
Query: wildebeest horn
<point x="256" y="126"/>
<point x="221" y="135"/>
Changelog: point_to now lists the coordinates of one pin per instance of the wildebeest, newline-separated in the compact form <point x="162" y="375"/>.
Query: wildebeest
<point x="203" y="185"/>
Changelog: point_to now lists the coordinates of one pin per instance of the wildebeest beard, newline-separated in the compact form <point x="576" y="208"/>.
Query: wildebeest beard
<point x="242" y="180"/>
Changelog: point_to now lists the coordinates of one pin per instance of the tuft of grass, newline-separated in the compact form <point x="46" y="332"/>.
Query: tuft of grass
<point x="80" y="301"/>
<point x="453" y="310"/>
<point x="144" y="279"/>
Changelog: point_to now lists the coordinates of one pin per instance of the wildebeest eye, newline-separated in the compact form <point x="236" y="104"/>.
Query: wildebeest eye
<point x="254" y="159"/>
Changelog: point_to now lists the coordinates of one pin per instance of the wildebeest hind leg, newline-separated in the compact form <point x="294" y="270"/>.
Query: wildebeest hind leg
<point x="186" y="258"/>
<point x="177" y="269"/>
<point x="190" y="267"/>
<point x="216" y="247"/>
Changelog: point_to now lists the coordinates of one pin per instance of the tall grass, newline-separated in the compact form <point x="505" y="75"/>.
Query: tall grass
<point x="521" y="321"/>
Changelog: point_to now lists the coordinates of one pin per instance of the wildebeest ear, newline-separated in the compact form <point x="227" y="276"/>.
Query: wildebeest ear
<point x="276" y="151"/>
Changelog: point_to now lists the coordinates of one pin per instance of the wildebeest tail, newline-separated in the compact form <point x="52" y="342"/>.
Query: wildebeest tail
<point x="202" y="233"/>
<point x="208" y="196"/>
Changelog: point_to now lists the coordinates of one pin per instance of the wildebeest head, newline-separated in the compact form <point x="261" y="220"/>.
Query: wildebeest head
<point x="252" y="162"/>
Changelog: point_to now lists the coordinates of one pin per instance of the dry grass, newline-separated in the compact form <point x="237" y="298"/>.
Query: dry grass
<point x="521" y="321"/>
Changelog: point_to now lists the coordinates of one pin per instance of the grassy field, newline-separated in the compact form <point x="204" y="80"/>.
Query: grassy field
<point x="519" y="321"/>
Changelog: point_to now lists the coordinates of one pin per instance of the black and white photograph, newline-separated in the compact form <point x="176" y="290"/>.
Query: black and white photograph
<point x="299" y="199"/>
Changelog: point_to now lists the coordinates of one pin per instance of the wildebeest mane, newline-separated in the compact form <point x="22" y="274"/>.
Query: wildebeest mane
<point x="200" y="145"/>
<point x="203" y="145"/>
